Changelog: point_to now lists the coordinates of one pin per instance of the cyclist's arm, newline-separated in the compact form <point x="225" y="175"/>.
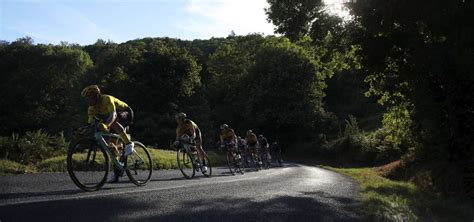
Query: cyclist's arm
<point x="190" y="128"/>
<point x="177" y="134"/>
<point x="111" y="110"/>
<point x="90" y="115"/>
<point x="221" y="137"/>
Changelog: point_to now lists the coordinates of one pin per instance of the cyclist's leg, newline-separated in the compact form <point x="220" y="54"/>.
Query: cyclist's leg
<point x="117" y="127"/>
<point x="200" y="150"/>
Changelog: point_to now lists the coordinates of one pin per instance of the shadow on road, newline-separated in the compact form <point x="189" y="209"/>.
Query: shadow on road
<point x="317" y="206"/>
<point x="39" y="194"/>
<point x="281" y="208"/>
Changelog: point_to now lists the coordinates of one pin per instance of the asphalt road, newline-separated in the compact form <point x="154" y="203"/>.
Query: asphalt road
<point x="292" y="193"/>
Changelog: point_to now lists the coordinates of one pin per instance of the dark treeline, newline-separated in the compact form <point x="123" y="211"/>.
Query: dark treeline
<point x="412" y="58"/>
<point x="267" y="84"/>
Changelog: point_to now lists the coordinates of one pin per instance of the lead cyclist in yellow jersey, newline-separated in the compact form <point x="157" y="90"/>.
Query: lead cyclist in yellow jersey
<point x="113" y="114"/>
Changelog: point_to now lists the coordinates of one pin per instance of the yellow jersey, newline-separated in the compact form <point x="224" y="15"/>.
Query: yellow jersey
<point x="251" y="138"/>
<point x="228" y="135"/>
<point x="105" y="105"/>
<point x="190" y="128"/>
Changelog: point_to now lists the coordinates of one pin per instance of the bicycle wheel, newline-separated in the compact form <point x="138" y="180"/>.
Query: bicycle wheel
<point x="267" y="161"/>
<point x="87" y="164"/>
<point x="185" y="163"/>
<point x="280" y="161"/>
<point x="208" y="173"/>
<point x="138" y="165"/>
<point x="239" y="164"/>
<point x="230" y="162"/>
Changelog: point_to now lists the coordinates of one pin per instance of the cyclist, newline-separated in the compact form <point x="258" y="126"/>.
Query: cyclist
<point x="188" y="129"/>
<point x="276" y="151"/>
<point x="227" y="137"/>
<point x="264" y="150"/>
<point x="240" y="145"/>
<point x="112" y="114"/>
<point x="252" y="145"/>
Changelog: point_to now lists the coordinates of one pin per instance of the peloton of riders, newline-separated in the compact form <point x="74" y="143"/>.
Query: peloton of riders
<point x="109" y="113"/>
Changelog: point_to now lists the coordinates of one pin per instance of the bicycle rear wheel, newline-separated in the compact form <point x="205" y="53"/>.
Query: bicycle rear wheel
<point x="185" y="163"/>
<point x="231" y="162"/>
<point x="87" y="164"/>
<point x="138" y="165"/>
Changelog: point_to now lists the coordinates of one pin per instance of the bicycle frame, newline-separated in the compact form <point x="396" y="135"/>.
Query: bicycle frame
<point x="188" y="147"/>
<point x="99" y="137"/>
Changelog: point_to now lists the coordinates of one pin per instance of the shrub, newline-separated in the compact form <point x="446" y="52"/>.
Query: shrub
<point x="360" y="148"/>
<point x="36" y="146"/>
<point x="7" y="146"/>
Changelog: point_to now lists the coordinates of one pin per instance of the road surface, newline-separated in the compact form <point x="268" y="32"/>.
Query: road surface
<point x="292" y="193"/>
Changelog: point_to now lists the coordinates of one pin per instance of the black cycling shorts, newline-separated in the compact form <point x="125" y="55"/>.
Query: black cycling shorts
<point x="125" y="117"/>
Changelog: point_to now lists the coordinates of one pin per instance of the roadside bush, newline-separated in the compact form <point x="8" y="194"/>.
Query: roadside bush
<point x="33" y="147"/>
<point x="7" y="146"/>
<point x="361" y="148"/>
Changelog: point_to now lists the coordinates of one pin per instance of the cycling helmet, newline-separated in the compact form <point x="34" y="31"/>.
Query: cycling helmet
<point x="224" y="126"/>
<point x="249" y="132"/>
<point x="180" y="116"/>
<point x="91" y="90"/>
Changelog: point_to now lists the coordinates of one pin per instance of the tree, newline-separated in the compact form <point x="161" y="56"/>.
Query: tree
<point x="284" y="91"/>
<point x="293" y="17"/>
<point x="422" y="64"/>
<point x="39" y="84"/>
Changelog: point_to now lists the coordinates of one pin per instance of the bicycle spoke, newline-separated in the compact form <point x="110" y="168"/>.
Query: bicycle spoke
<point x="139" y="165"/>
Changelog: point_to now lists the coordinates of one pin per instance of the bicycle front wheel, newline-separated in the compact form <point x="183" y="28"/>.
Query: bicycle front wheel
<point x="185" y="163"/>
<point x="138" y="165"/>
<point x="87" y="164"/>
<point x="208" y="173"/>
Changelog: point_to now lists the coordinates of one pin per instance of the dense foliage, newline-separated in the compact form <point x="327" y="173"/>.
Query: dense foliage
<point x="267" y="84"/>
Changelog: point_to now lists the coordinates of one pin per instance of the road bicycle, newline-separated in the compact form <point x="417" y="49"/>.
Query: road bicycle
<point x="234" y="159"/>
<point x="251" y="159"/>
<point x="276" y="156"/>
<point x="189" y="161"/>
<point x="265" y="158"/>
<point x="88" y="160"/>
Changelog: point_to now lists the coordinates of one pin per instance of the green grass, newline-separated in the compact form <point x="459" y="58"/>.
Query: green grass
<point x="10" y="167"/>
<point x="54" y="164"/>
<point x="166" y="159"/>
<point x="388" y="200"/>
<point x="162" y="159"/>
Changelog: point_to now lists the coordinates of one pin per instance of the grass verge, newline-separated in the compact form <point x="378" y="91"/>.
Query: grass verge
<point x="10" y="167"/>
<point x="162" y="159"/>
<point x="387" y="200"/>
<point x="166" y="159"/>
